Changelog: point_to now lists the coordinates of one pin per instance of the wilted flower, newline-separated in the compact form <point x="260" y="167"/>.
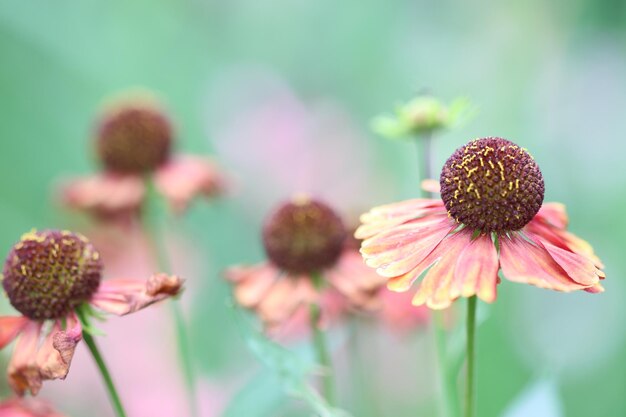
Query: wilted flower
<point x="422" y="115"/>
<point x="47" y="276"/>
<point x="490" y="218"/>
<point x="305" y="242"/>
<point x="134" y="139"/>
<point x="18" y="407"/>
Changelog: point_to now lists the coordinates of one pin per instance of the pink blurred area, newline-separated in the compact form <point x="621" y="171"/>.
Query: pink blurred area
<point x="140" y="349"/>
<point x="263" y="130"/>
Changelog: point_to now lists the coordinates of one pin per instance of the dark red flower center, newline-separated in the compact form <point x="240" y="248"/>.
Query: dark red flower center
<point x="134" y="139"/>
<point x="49" y="273"/>
<point x="492" y="185"/>
<point x="303" y="235"/>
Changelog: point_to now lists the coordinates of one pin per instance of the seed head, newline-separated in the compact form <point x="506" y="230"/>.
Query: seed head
<point x="134" y="139"/>
<point x="49" y="273"/>
<point x="303" y="235"/>
<point x="492" y="185"/>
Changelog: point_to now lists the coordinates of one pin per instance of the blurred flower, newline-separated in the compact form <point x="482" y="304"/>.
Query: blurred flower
<point x="304" y="241"/>
<point x="18" y="407"/>
<point x="134" y="139"/>
<point x="491" y="199"/>
<point x="47" y="277"/>
<point x="422" y="115"/>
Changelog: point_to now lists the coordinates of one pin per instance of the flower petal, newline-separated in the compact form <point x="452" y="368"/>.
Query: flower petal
<point x="385" y="217"/>
<point x="553" y="214"/>
<point x="23" y="372"/>
<point x="122" y="296"/>
<point x="476" y="271"/>
<point x="399" y="250"/>
<point x="10" y="326"/>
<point x="106" y="195"/>
<point x="55" y="355"/>
<point x="435" y="289"/>
<point x="252" y="283"/>
<point x="282" y="299"/>
<point x="185" y="177"/>
<point x="524" y="262"/>
<point x="355" y="281"/>
<point x="431" y="186"/>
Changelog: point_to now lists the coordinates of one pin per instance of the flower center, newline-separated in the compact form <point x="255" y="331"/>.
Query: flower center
<point x="49" y="273"/>
<point x="134" y="139"/>
<point x="492" y="185"/>
<point x="303" y="235"/>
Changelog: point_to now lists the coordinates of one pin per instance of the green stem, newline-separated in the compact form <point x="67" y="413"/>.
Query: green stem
<point x="106" y="376"/>
<point x="152" y="231"/>
<point x="323" y="357"/>
<point x="471" y="353"/>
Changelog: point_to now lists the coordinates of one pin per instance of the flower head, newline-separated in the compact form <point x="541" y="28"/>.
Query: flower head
<point x="134" y="141"/>
<point x="305" y="240"/>
<point x="491" y="218"/>
<point x="47" y="276"/>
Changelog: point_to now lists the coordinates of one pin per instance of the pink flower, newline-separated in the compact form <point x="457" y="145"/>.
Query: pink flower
<point x="490" y="218"/>
<point x="308" y="263"/>
<point x="135" y="138"/>
<point x="47" y="276"/>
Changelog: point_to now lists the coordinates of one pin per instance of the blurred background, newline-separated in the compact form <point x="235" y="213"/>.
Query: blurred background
<point x="281" y="93"/>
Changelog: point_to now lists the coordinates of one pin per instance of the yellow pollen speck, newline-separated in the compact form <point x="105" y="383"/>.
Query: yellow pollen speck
<point x="488" y="173"/>
<point x="492" y="165"/>
<point x="471" y="171"/>
<point x="477" y="194"/>
<point x="510" y="185"/>
<point x="23" y="268"/>
<point x="482" y="164"/>
<point x="517" y="183"/>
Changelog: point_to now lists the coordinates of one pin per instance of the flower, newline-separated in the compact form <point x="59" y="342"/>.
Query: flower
<point x="18" y="407"/>
<point x="47" y="276"/>
<point x="490" y="218"/>
<point x="422" y="115"/>
<point x="304" y="240"/>
<point x="134" y="138"/>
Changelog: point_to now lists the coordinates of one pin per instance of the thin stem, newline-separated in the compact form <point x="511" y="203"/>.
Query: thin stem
<point x="424" y="144"/>
<point x="152" y="230"/>
<point x="471" y="353"/>
<point x="321" y="349"/>
<point x="106" y="376"/>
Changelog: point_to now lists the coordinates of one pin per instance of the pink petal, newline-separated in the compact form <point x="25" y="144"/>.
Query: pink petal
<point x="107" y="195"/>
<point x="252" y="283"/>
<point x="10" y="327"/>
<point x="124" y="296"/>
<point x="385" y="217"/>
<point x="186" y="177"/>
<point x="281" y="301"/>
<point x="23" y="372"/>
<point x="358" y="283"/>
<point x="431" y="186"/>
<point x="399" y="250"/>
<point x="579" y="268"/>
<point x="554" y="214"/>
<point x="435" y="289"/>
<point x="476" y="271"/>
<point x="595" y="289"/>
<point x="525" y="262"/>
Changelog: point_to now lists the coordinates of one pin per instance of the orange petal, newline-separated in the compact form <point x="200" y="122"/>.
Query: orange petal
<point x="251" y="289"/>
<point x="385" y="217"/>
<point x="122" y="296"/>
<point x="10" y="327"/>
<point x="186" y="177"/>
<point x="525" y="262"/>
<point x="282" y="299"/>
<point x="476" y="270"/>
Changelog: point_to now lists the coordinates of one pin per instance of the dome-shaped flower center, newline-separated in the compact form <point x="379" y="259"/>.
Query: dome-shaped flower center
<point x="48" y="273"/>
<point x="134" y="139"/>
<point x="303" y="236"/>
<point x="492" y="185"/>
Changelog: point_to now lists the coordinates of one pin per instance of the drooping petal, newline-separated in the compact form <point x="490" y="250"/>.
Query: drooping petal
<point x="55" y="355"/>
<point x="355" y="281"/>
<point x="106" y="195"/>
<point x="282" y="300"/>
<point x="525" y="262"/>
<point x="476" y="271"/>
<point x="399" y="250"/>
<point x="595" y="289"/>
<point x="435" y="289"/>
<point x="252" y="283"/>
<point x="123" y="296"/>
<point x="186" y="177"/>
<point x="10" y="327"/>
<point x="23" y="372"/>
<point x="386" y="217"/>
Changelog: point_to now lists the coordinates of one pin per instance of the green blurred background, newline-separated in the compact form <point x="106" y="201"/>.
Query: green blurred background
<point x="550" y="76"/>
